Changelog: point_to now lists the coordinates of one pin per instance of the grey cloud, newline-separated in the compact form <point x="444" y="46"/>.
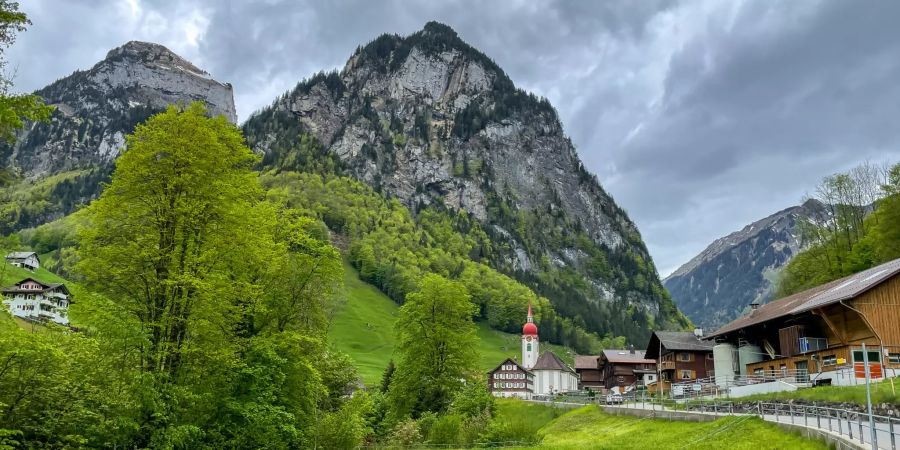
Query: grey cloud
<point x="698" y="116"/>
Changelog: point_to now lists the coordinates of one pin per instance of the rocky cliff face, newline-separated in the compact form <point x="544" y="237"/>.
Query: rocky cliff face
<point x="97" y="107"/>
<point x="433" y="122"/>
<point x="717" y="285"/>
<point x="62" y="163"/>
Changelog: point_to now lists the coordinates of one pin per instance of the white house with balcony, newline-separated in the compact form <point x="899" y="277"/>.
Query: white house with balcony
<point x="25" y="260"/>
<point x="32" y="300"/>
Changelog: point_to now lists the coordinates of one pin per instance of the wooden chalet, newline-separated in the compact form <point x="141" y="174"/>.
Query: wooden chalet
<point x="680" y="356"/>
<point x="589" y="375"/>
<point x="624" y="369"/>
<point x="820" y="331"/>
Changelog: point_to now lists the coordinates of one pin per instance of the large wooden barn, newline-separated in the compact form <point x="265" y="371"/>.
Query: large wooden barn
<point x="818" y="333"/>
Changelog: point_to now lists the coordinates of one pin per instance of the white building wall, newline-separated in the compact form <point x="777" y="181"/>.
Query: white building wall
<point x="21" y="306"/>
<point x="554" y="381"/>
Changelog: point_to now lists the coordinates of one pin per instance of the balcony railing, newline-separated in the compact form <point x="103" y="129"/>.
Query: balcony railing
<point x="810" y="344"/>
<point x="667" y="365"/>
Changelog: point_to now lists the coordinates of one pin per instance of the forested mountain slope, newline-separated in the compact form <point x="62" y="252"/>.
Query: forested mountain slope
<point x="436" y="124"/>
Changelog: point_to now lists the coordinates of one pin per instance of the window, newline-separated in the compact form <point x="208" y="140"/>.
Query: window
<point x="758" y="371"/>
<point x="829" y="360"/>
<point x="687" y="374"/>
<point x="685" y="357"/>
<point x="496" y="385"/>
<point x="620" y="379"/>
<point x="874" y="357"/>
<point x="528" y="347"/>
<point x="894" y="358"/>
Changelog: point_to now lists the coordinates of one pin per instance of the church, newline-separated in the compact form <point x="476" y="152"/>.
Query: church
<point x="537" y="374"/>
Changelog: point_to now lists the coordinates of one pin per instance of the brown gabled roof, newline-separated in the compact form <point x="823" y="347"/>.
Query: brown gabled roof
<point x="675" y="340"/>
<point x="626" y="357"/>
<point x="549" y="361"/>
<point x="587" y="361"/>
<point x="817" y="297"/>
<point x="15" y="289"/>
<point x="510" y="360"/>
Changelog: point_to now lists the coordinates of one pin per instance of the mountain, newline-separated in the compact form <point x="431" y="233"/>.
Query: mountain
<point x="717" y="285"/>
<point x="61" y="164"/>
<point x="436" y="124"/>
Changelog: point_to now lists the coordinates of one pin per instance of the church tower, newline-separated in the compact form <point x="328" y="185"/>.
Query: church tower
<point x="530" y="350"/>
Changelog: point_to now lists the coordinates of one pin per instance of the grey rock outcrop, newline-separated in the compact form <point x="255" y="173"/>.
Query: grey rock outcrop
<point x="73" y="154"/>
<point x="97" y="107"/>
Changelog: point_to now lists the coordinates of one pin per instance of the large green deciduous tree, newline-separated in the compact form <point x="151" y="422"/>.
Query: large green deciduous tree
<point x="178" y="232"/>
<point x="217" y="299"/>
<point x="436" y="346"/>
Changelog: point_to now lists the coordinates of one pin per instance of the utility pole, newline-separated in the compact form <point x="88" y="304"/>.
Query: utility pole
<point x="659" y="385"/>
<point x="869" y="397"/>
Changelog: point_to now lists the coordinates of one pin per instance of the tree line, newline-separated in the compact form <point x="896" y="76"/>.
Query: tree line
<point x="855" y="227"/>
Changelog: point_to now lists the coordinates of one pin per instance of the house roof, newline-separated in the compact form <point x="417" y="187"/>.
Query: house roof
<point x="626" y="357"/>
<point x="15" y="289"/>
<point x="20" y="255"/>
<point x="676" y="340"/>
<point x="829" y="293"/>
<point x="510" y="360"/>
<point x="549" y="361"/>
<point x="586" y="361"/>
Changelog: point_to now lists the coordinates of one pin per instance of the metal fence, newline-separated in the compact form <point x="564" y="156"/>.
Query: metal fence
<point x="851" y="424"/>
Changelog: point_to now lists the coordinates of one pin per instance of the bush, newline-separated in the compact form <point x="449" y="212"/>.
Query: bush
<point x="446" y="430"/>
<point x="406" y="434"/>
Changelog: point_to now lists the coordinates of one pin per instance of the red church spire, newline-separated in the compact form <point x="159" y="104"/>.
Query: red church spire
<point x="530" y="329"/>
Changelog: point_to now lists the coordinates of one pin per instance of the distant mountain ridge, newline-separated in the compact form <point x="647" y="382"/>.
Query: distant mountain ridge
<point x="715" y="286"/>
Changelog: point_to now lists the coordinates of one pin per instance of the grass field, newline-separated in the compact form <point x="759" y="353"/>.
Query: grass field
<point x="882" y="392"/>
<point x="11" y="274"/>
<point x="590" y="428"/>
<point x="363" y="327"/>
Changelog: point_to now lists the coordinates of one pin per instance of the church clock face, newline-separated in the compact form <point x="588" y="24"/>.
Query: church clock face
<point x="528" y="338"/>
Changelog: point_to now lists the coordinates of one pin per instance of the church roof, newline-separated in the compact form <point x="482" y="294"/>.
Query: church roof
<point x="549" y="361"/>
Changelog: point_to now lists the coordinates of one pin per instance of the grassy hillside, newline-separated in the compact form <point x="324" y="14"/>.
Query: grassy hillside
<point x="10" y="274"/>
<point x="363" y="327"/>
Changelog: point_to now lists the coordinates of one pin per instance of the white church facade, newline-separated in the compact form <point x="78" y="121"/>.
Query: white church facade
<point x="537" y="374"/>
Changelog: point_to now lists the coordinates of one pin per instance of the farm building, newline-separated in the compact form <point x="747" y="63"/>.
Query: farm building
<point x="816" y="336"/>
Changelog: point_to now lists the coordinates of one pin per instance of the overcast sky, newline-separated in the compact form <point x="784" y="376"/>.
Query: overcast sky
<point x="698" y="116"/>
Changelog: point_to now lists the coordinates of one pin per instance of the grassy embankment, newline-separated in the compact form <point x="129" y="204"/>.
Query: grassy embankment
<point x="590" y="428"/>
<point x="363" y="327"/>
